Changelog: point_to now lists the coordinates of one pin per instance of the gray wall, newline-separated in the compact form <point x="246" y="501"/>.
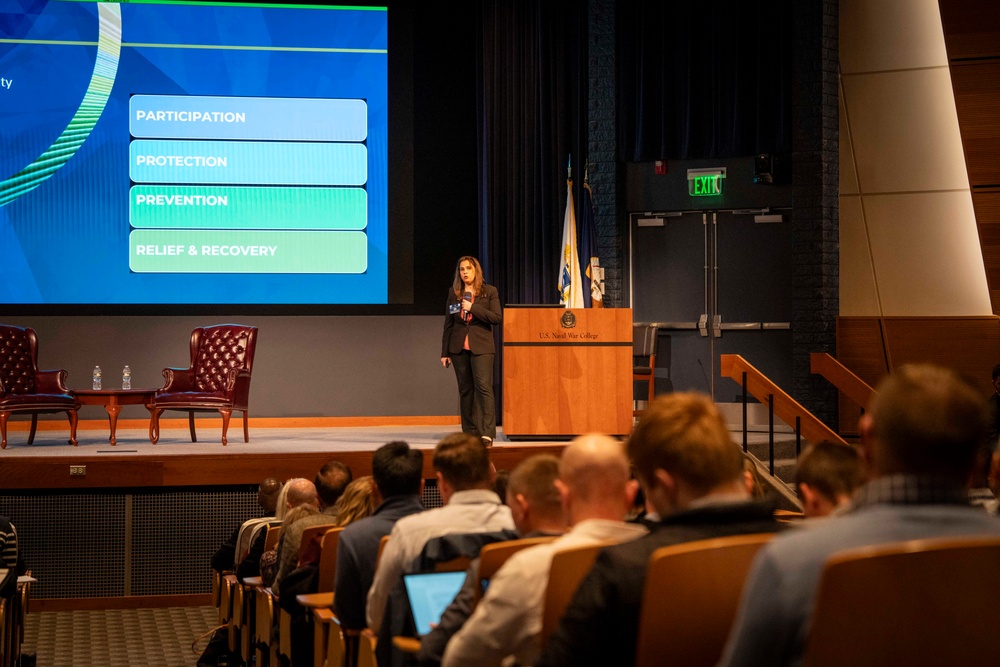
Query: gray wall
<point x="304" y="366"/>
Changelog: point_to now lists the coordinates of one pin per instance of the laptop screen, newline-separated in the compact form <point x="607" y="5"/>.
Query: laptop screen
<point x="430" y="594"/>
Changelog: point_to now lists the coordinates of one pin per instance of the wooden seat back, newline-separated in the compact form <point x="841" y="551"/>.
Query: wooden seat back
<point x="311" y="533"/>
<point x="459" y="564"/>
<point x="690" y="598"/>
<point x="493" y="556"/>
<point x="568" y="569"/>
<point x="272" y="537"/>
<point x="328" y="559"/>
<point x="381" y="547"/>
<point x="922" y="602"/>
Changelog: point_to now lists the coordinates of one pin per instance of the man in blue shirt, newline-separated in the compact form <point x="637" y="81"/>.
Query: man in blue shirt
<point x="398" y="474"/>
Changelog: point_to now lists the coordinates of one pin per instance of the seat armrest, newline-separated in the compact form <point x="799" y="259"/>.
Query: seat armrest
<point x="324" y="615"/>
<point x="238" y="386"/>
<point x="51" y="382"/>
<point x="315" y="600"/>
<point x="410" y="645"/>
<point x="178" y="379"/>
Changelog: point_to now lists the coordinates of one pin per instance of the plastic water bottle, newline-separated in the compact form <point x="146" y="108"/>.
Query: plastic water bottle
<point x="127" y="378"/>
<point x="97" y="377"/>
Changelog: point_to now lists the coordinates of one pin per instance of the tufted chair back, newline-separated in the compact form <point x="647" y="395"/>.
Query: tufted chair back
<point x="25" y="389"/>
<point x="18" y="360"/>
<point x="218" y="379"/>
<point x="218" y="350"/>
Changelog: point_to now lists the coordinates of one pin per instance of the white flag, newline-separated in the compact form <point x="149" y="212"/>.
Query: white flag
<point x="570" y="280"/>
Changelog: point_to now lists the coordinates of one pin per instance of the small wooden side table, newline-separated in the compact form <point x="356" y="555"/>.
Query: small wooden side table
<point x="113" y="400"/>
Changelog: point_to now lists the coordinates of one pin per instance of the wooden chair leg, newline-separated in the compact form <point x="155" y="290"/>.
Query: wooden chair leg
<point x="246" y="426"/>
<point x="73" y="420"/>
<point x="34" y="425"/>
<point x="226" y="414"/>
<point x="194" y="438"/>
<point x="154" y="424"/>
<point x="3" y="429"/>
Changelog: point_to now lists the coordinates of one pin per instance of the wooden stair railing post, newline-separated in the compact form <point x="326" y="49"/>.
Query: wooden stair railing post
<point x="744" y="385"/>
<point x="770" y="434"/>
<point x="798" y="436"/>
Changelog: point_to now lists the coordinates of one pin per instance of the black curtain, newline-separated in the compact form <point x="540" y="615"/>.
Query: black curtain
<point x="532" y="109"/>
<point x="706" y="79"/>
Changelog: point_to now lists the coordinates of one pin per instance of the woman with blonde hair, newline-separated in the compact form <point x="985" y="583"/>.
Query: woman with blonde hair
<point x="357" y="501"/>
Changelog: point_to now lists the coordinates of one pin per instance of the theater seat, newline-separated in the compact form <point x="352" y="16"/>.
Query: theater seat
<point x="24" y="388"/>
<point x="690" y="599"/>
<point x="922" y="602"/>
<point x="218" y="379"/>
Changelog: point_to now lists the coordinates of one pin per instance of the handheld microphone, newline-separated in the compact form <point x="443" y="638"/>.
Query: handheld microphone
<point x="467" y="296"/>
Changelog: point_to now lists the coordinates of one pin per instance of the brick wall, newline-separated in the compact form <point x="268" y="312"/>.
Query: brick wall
<point x="604" y="168"/>
<point x="815" y="181"/>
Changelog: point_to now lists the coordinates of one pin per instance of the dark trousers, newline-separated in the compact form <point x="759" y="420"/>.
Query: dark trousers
<point x="474" y="373"/>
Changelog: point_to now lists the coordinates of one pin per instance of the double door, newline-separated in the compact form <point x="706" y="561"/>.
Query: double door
<point x="715" y="282"/>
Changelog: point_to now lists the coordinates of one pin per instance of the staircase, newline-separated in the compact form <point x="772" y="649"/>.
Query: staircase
<point x="774" y="430"/>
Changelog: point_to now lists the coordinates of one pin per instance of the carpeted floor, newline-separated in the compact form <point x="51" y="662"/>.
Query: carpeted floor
<point x="118" y="637"/>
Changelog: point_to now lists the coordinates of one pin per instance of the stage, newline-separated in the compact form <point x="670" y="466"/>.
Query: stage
<point x="282" y="448"/>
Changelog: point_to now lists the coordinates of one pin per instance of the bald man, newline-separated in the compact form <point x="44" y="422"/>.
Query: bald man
<point x="596" y="493"/>
<point x="692" y="473"/>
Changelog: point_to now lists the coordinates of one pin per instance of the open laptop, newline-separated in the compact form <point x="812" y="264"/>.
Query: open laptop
<point x="430" y="594"/>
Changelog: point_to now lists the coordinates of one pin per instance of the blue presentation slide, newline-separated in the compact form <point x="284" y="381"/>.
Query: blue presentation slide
<point x="193" y="153"/>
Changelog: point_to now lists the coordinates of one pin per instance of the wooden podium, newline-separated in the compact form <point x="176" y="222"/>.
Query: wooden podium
<point x="567" y="372"/>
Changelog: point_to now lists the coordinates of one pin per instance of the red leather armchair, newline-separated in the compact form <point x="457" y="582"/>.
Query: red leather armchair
<point x="24" y="388"/>
<point x="218" y="379"/>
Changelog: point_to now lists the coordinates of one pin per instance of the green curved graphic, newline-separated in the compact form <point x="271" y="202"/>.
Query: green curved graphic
<point x="65" y="146"/>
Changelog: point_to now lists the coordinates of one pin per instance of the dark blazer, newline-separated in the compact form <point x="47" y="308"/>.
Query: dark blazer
<point x="485" y="313"/>
<point x="601" y="623"/>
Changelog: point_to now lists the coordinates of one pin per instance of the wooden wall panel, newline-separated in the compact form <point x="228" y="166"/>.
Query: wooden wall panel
<point x="986" y="203"/>
<point x="970" y="345"/>
<point x="972" y="39"/>
<point x="861" y="348"/>
<point x="971" y="28"/>
<point x="872" y="346"/>
<point x="977" y="101"/>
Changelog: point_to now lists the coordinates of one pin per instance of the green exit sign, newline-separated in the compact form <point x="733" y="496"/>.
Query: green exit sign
<point x="705" y="182"/>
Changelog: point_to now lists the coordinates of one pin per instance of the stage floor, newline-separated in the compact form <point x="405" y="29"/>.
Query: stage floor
<point x="177" y="441"/>
<point x="176" y="461"/>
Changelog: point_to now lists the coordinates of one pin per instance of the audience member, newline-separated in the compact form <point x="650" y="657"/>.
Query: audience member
<point x="357" y="502"/>
<point x="300" y="501"/>
<point x="920" y="443"/>
<point x="993" y="402"/>
<point x="309" y="504"/>
<point x="596" y="492"/>
<point x="462" y="468"/>
<point x="225" y="558"/>
<point x="692" y="474"/>
<point x="500" y="484"/>
<point x="994" y="482"/>
<point x="537" y="511"/>
<point x="397" y="471"/>
<point x="10" y="557"/>
<point x="331" y="481"/>
<point x="752" y="478"/>
<point x="249" y="566"/>
<point x="994" y="405"/>
<point x="826" y="475"/>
